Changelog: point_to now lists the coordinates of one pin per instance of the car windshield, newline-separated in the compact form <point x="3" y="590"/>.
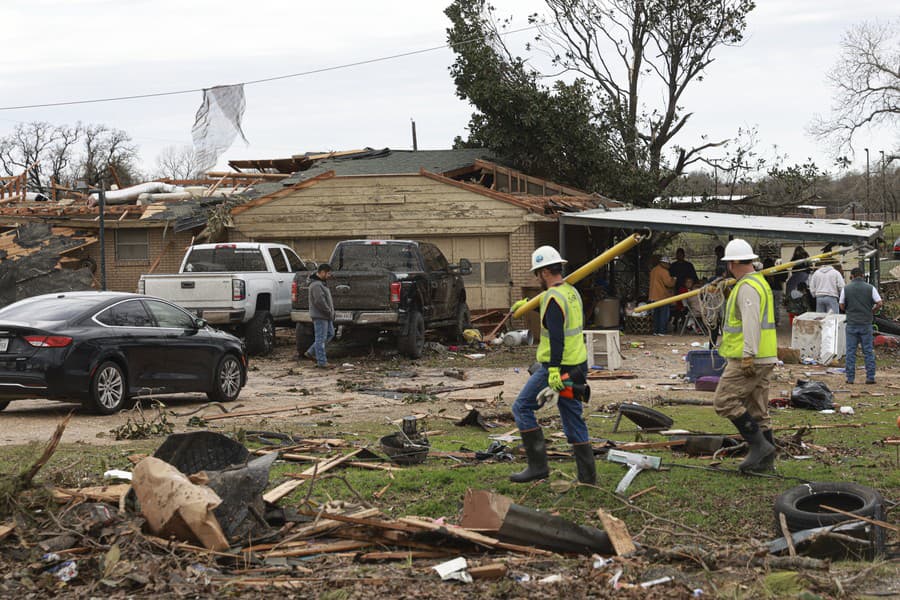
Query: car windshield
<point x="54" y="308"/>
<point x="365" y="257"/>
<point x="224" y="259"/>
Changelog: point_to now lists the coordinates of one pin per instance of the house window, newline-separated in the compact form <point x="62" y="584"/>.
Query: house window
<point x="132" y="244"/>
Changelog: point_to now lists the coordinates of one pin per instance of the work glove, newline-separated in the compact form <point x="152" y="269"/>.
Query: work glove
<point x="518" y="304"/>
<point x="554" y="379"/>
<point x="747" y="366"/>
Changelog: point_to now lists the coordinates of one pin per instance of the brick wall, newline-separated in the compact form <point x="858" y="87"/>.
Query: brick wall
<point x="123" y="275"/>
<point x="521" y="245"/>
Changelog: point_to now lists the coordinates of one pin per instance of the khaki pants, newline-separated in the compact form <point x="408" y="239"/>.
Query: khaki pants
<point x="737" y="394"/>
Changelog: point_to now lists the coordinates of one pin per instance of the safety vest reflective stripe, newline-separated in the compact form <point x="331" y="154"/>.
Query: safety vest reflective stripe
<point x="732" y="330"/>
<point x="574" y="349"/>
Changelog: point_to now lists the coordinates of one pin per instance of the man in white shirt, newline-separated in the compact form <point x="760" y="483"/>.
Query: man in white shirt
<point x="826" y="285"/>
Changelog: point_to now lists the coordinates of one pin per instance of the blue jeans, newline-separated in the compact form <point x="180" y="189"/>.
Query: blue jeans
<point x="569" y="408"/>
<point x="827" y="304"/>
<point x="661" y="319"/>
<point x="862" y="335"/>
<point x="324" y="331"/>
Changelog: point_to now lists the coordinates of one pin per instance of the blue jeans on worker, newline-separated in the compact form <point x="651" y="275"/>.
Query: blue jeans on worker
<point x="862" y="335"/>
<point x="324" y="331"/>
<point x="661" y="319"/>
<point x="570" y="409"/>
<point x="827" y="304"/>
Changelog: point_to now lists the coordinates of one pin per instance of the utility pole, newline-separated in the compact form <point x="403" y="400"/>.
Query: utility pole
<point x="868" y="208"/>
<point x="883" y="194"/>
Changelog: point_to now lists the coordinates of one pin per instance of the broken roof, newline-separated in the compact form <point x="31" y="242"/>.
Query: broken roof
<point x="791" y="228"/>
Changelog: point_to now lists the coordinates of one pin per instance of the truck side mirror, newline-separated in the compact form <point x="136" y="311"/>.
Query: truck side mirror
<point x="465" y="266"/>
<point x="199" y="323"/>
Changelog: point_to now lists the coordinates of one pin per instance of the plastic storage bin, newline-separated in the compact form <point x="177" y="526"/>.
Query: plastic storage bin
<point x="702" y="363"/>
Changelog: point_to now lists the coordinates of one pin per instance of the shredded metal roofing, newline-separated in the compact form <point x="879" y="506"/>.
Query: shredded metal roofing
<point x="791" y="228"/>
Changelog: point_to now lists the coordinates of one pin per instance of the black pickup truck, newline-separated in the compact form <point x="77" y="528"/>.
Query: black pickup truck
<point x="393" y="287"/>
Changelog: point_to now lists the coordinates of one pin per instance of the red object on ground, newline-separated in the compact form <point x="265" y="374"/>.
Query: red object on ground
<point x="779" y="402"/>
<point x="887" y="341"/>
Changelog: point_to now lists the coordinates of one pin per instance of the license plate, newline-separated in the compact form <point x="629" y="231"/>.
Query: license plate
<point x="343" y="315"/>
<point x="4" y="344"/>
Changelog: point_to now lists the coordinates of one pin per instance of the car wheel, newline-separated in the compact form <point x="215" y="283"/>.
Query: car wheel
<point x="260" y="334"/>
<point x="462" y="322"/>
<point x="109" y="389"/>
<point x="228" y="380"/>
<point x="305" y="338"/>
<point x="3" y="405"/>
<point x="412" y="343"/>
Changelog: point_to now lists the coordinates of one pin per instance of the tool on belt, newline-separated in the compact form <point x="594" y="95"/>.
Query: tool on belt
<point x="572" y="391"/>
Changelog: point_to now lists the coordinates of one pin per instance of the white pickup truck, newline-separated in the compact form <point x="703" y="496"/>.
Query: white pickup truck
<point x="243" y="286"/>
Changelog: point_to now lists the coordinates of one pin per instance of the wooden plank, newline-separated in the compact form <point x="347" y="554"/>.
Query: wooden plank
<point x="287" y="487"/>
<point x="342" y="546"/>
<point x="404" y="555"/>
<point x="788" y="538"/>
<point x="488" y="572"/>
<point x="102" y="493"/>
<point x="618" y="533"/>
<point x="327" y="522"/>
<point x="884" y="524"/>
<point x="360" y="519"/>
<point x="472" y="536"/>
<point x="270" y="411"/>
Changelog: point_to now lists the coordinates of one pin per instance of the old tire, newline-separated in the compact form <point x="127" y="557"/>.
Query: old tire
<point x="412" y="343"/>
<point x="260" y="334"/>
<point x="305" y="338"/>
<point x="802" y="505"/>
<point x="463" y="321"/>
<point x="109" y="389"/>
<point x="228" y="380"/>
<point x="3" y="405"/>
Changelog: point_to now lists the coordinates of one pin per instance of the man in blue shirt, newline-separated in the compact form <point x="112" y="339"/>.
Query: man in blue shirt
<point x="859" y="300"/>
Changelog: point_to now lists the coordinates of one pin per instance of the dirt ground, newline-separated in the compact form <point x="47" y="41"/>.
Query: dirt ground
<point x="282" y="381"/>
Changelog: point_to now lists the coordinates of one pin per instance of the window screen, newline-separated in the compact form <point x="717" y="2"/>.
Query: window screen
<point x="496" y="272"/>
<point x="132" y="244"/>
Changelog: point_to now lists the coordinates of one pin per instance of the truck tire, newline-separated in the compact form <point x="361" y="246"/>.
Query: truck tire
<point x="109" y="390"/>
<point x="260" y="334"/>
<point x="412" y="343"/>
<point x="802" y="505"/>
<point x="227" y="381"/>
<point x="455" y="332"/>
<point x="305" y="338"/>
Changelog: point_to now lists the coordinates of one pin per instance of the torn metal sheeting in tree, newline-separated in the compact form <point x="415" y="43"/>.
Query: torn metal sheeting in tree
<point x="496" y="514"/>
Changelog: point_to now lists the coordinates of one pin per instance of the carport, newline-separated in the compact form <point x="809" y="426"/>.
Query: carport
<point x="837" y="231"/>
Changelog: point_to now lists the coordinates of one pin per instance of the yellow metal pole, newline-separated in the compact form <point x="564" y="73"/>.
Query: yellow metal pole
<point x="732" y="281"/>
<point x="588" y="268"/>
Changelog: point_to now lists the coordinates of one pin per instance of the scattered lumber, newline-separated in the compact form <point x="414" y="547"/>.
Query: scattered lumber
<point x="618" y="533"/>
<point x="320" y="467"/>
<point x="269" y="411"/>
<point x="100" y="493"/>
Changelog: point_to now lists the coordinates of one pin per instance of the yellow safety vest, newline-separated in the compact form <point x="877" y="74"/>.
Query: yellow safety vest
<point x="574" y="349"/>
<point x="733" y="331"/>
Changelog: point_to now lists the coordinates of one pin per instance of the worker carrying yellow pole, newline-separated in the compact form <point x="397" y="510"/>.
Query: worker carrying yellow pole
<point x="729" y="282"/>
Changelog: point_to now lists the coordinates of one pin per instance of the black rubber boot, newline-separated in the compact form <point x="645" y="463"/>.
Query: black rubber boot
<point x="768" y="463"/>
<point x="536" y="451"/>
<point x="760" y="448"/>
<point x="584" y="463"/>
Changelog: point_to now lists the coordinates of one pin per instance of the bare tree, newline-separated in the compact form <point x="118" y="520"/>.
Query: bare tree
<point x="41" y="147"/>
<point x="866" y="81"/>
<point x="177" y="163"/>
<point x="629" y="50"/>
<point x="107" y="149"/>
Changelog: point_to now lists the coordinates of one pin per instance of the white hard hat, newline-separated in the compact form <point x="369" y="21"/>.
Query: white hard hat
<point x="544" y="257"/>
<point x="738" y="250"/>
<point x="666" y="260"/>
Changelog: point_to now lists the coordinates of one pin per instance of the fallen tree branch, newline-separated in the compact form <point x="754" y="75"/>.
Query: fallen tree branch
<point x="24" y="479"/>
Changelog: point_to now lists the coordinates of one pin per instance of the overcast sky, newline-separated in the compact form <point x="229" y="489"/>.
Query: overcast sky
<point x="64" y="50"/>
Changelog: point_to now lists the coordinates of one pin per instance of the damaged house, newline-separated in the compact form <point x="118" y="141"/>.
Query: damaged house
<point x="461" y="200"/>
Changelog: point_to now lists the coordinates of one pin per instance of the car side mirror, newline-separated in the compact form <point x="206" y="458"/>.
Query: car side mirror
<point x="199" y="323"/>
<point x="464" y="267"/>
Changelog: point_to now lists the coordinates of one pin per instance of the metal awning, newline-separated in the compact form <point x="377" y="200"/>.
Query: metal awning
<point x="842" y="231"/>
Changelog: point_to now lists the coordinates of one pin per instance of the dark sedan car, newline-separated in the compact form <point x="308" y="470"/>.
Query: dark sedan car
<point x="105" y="348"/>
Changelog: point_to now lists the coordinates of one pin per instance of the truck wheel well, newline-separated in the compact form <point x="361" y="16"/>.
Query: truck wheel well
<point x="263" y="302"/>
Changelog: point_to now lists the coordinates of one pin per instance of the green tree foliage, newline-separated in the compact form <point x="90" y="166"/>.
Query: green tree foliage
<point x="546" y="132"/>
<point x="631" y="61"/>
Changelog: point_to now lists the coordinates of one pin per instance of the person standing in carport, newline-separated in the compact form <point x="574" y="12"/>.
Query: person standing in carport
<point x="860" y="300"/>
<point x="750" y="345"/>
